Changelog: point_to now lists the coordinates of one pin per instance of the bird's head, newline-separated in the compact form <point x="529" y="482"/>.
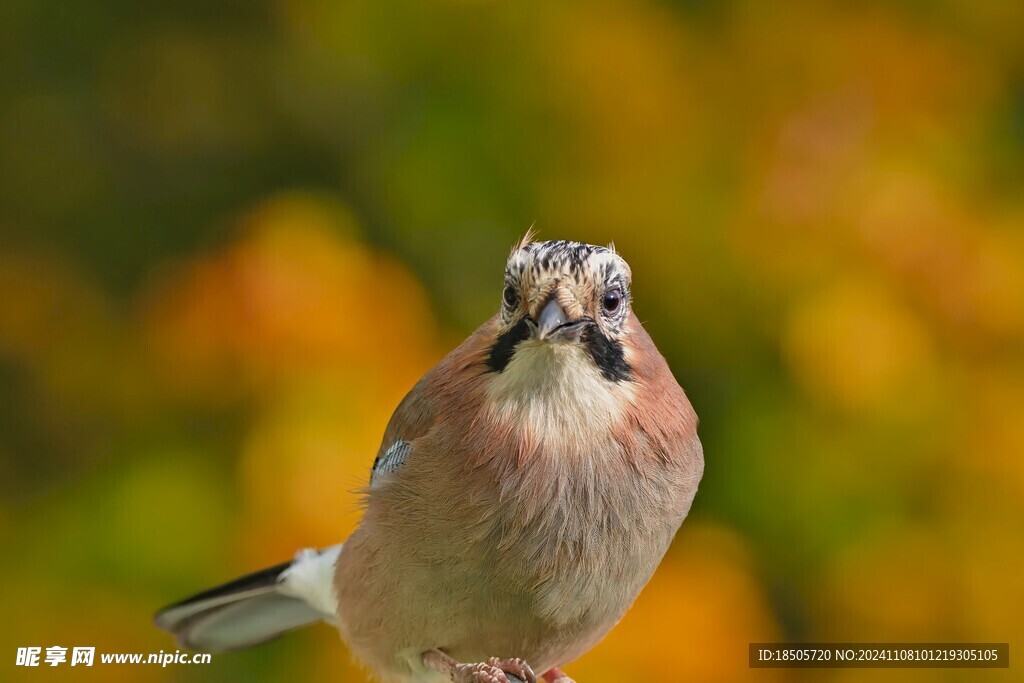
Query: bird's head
<point x="561" y="293"/>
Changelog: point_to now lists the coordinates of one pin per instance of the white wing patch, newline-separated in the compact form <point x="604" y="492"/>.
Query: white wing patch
<point x="389" y="461"/>
<point x="310" y="578"/>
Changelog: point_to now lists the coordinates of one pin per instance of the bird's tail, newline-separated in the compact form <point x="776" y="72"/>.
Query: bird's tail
<point x="257" y="607"/>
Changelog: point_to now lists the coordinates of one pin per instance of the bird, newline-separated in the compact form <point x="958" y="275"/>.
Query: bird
<point x="525" y="491"/>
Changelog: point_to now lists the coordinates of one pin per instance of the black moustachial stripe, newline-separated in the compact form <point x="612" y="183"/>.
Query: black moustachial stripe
<point x="505" y="346"/>
<point x="607" y="354"/>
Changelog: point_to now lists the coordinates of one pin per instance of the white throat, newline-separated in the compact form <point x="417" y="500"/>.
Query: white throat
<point x="556" y="388"/>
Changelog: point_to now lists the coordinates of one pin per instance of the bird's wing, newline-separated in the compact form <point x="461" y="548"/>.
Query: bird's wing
<point x="414" y="416"/>
<point x="389" y="461"/>
<point x="433" y="395"/>
<point x="412" y="419"/>
<point x="256" y="607"/>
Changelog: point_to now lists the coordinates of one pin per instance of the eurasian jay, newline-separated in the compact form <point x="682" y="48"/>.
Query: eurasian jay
<point x="524" y="493"/>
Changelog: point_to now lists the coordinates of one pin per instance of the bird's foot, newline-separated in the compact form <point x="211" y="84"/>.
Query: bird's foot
<point x="515" y="666"/>
<point x="494" y="670"/>
<point x="556" y="675"/>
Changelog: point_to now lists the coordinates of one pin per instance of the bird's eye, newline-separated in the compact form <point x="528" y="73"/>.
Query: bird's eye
<point x="510" y="296"/>
<point x="611" y="300"/>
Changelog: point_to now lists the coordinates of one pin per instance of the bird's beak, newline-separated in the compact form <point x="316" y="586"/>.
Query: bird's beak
<point x="554" y="325"/>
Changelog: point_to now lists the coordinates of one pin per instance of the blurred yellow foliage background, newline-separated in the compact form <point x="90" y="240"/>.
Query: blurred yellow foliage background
<point x="232" y="235"/>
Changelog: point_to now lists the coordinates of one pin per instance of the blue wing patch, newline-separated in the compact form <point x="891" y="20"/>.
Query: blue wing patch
<point x="390" y="460"/>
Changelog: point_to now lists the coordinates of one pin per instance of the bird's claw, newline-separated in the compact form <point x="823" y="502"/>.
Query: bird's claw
<point x="494" y="670"/>
<point x="478" y="673"/>
<point x="516" y="667"/>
